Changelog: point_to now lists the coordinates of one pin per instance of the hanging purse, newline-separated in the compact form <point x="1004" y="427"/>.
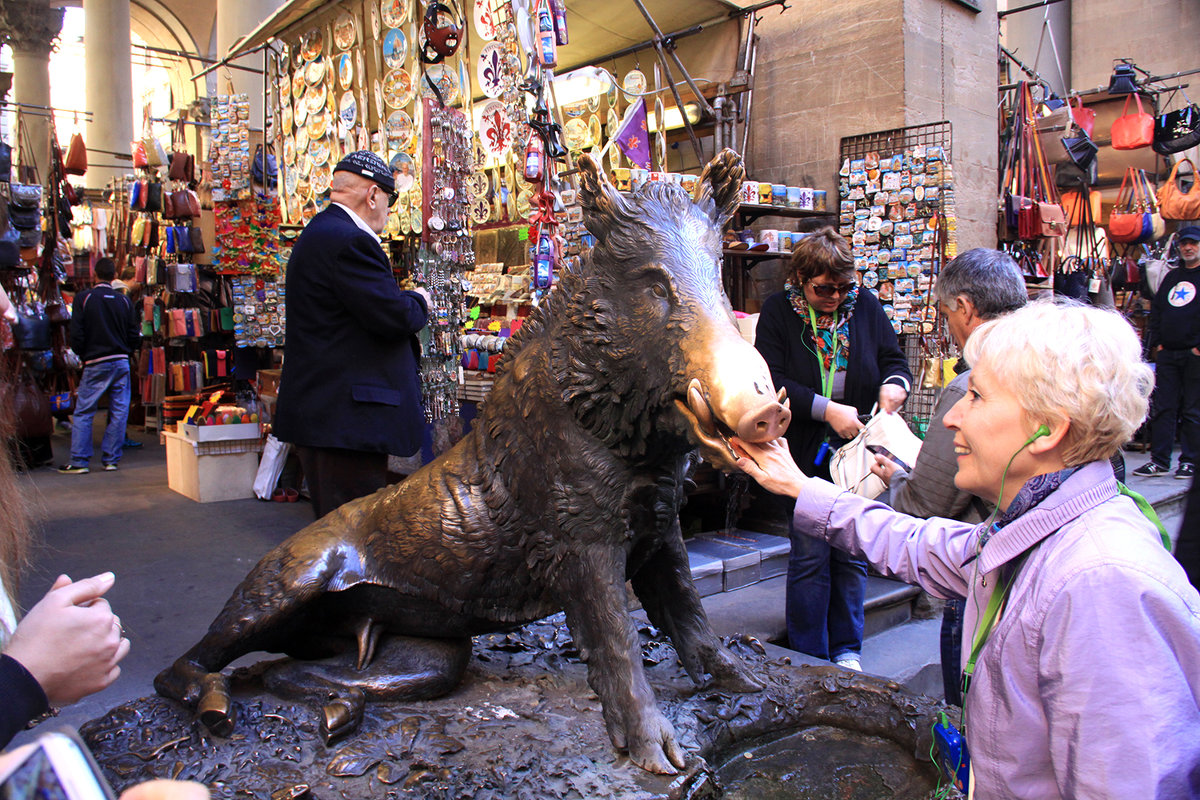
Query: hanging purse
<point x="1133" y="131"/>
<point x="32" y="329"/>
<point x="1084" y="117"/>
<point x="154" y="193"/>
<point x="75" y="162"/>
<point x="1175" y="203"/>
<point x="168" y="205"/>
<point x="139" y="155"/>
<point x="1073" y="203"/>
<point x="1126" y="220"/>
<point x="196" y="239"/>
<point x="31" y="407"/>
<point x="1178" y="130"/>
<point x="5" y="162"/>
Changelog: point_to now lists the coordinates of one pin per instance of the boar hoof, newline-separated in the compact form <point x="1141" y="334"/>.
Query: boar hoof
<point x="216" y="706"/>
<point x="342" y="714"/>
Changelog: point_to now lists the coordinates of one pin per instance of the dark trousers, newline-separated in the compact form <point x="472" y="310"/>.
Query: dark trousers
<point x="1176" y="397"/>
<point x="826" y="588"/>
<point x="1187" y="546"/>
<point x="952" y="633"/>
<point x="336" y="476"/>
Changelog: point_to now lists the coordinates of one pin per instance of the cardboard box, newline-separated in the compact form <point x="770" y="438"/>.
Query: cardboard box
<point x="221" y="433"/>
<point x="209" y="473"/>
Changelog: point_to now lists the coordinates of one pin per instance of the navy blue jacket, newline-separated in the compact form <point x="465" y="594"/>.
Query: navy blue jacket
<point x="785" y="341"/>
<point x="104" y="323"/>
<point x="21" y="699"/>
<point x="1175" y="311"/>
<point x="350" y="370"/>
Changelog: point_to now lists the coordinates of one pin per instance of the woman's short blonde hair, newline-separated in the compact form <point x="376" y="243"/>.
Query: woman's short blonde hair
<point x="1066" y="359"/>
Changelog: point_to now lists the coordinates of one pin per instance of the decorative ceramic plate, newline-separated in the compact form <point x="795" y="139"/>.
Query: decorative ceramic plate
<point x="481" y="155"/>
<point x="477" y="182"/>
<point x="575" y="110"/>
<point x="524" y="203"/>
<point x="488" y="70"/>
<point x="289" y="150"/>
<point x="634" y="83"/>
<point x="298" y="84"/>
<point x="285" y="84"/>
<point x="612" y="123"/>
<point x="486" y="24"/>
<point x="399" y="130"/>
<point x="314" y="73"/>
<point x="344" y="31"/>
<point x="345" y="70"/>
<point x="374" y="14"/>
<point x="660" y="142"/>
<point x="575" y="134"/>
<point x="398" y="88"/>
<point x="300" y="115"/>
<point x="614" y="156"/>
<point x="870" y="279"/>
<point x="403" y="171"/>
<point x="301" y="140"/>
<point x="318" y="152"/>
<point x="395" y="49"/>
<point x="348" y="110"/>
<point x="395" y="13"/>
<point x="594" y="130"/>
<point x="405" y="223"/>
<point x="495" y="128"/>
<point x="593" y="103"/>
<point x="312" y="44"/>
<point x="318" y="125"/>
<point x="445" y="78"/>
<point x="612" y="96"/>
<point x="291" y="179"/>
<point x="315" y="99"/>
<point x="320" y="178"/>
<point x="377" y="90"/>
<point x="481" y="210"/>
<point x="285" y="115"/>
<point x="659" y="113"/>
<point x="414" y="220"/>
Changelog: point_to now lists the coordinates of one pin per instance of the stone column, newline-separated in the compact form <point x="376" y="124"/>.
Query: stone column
<point x="109" y="87"/>
<point x="236" y="18"/>
<point x="31" y="28"/>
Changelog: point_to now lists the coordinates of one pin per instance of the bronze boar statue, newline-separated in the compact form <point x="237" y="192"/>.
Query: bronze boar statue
<point x="568" y="485"/>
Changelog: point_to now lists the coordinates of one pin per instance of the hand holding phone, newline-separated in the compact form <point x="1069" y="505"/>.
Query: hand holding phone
<point x="56" y="765"/>
<point x="880" y="450"/>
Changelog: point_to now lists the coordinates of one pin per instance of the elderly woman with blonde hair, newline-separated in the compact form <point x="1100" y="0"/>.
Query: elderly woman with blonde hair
<point x="1081" y="633"/>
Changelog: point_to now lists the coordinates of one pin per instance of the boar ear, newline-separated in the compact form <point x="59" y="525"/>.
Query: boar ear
<point x="721" y="182"/>
<point x="602" y="203"/>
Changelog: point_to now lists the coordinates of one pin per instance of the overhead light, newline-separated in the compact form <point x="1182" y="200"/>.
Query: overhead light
<point x="673" y="118"/>
<point x="1123" y="80"/>
<point x="582" y="84"/>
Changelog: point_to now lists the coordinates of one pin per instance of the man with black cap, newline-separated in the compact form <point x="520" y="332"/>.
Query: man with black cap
<point x="1174" y="339"/>
<point x="350" y="390"/>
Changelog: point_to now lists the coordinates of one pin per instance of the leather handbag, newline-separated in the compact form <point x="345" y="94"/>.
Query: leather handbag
<point x="32" y="408"/>
<point x="196" y="239"/>
<point x="1073" y="203"/>
<point x="183" y="205"/>
<point x="1176" y="131"/>
<point x="25" y="195"/>
<point x="1051" y="220"/>
<point x="75" y="162"/>
<point x="850" y="466"/>
<point x="168" y="205"/>
<point x="154" y="194"/>
<point x="24" y="219"/>
<point x="1127" y="218"/>
<point x="139" y="155"/>
<point x="193" y="202"/>
<point x="32" y="329"/>
<point x="178" y="171"/>
<point x="1175" y="203"/>
<point x="1084" y="117"/>
<point x="1133" y="131"/>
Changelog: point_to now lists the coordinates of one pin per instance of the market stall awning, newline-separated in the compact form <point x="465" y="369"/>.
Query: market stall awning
<point x="597" y="28"/>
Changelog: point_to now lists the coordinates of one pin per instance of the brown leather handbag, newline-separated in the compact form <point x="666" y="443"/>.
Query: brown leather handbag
<point x="1177" y="204"/>
<point x="76" y="161"/>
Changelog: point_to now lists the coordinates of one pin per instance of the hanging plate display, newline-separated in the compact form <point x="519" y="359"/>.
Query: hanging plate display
<point x="301" y="141"/>
<point x="612" y="123"/>
<point x="320" y="178"/>
<point x="593" y="103"/>
<point x="289" y="150"/>
<point x="298" y="84"/>
<point x="318" y="125"/>
<point x="402" y="171"/>
<point x="344" y="31"/>
<point x="486" y="24"/>
<point x="524" y="203"/>
<point x="488" y="70"/>
<point x="575" y="110"/>
<point x="300" y="115"/>
<point x="314" y="73"/>
<point x="318" y="152"/>
<point x="614" y="156"/>
<point x="348" y="110"/>
<point x="660" y="142"/>
<point x="634" y="83"/>
<point x="345" y="70"/>
<point x="481" y="210"/>
<point x="395" y="49"/>
<point x="291" y="179"/>
<point x="478" y="184"/>
<point x="285" y="113"/>
<point x="315" y="99"/>
<point x="312" y="44"/>
<point x="495" y="128"/>
<point x="575" y="134"/>
<point x="397" y="88"/>
<point x="374" y="15"/>
<point x="395" y="13"/>
<point x="414" y="220"/>
<point x="399" y="130"/>
<point x="445" y="78"/>
<point x="658" y="114"/>
<point x="594" y="130"/>
<point x="612" y="96"/>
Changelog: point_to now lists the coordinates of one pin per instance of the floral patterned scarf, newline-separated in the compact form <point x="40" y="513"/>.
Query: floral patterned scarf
<point x="1035" y="490"/>
<point x="825" y="326"/>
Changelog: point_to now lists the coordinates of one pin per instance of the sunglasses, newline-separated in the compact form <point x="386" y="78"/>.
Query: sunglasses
<point x="830" y="289"/>
<point x="392" y="197"/>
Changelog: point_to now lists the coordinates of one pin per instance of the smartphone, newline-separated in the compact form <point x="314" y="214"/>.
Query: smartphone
<point x="879" y="449"/>
<point x="56" y="765"/>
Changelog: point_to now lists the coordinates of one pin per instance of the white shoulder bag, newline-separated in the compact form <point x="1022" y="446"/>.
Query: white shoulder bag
<point x="850" y="467"/>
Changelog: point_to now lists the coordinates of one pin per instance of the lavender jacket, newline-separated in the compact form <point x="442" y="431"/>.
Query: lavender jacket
<point x="1090" y="682"/>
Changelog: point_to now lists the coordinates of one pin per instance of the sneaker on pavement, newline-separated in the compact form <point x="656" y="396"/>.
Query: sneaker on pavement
<point x="130" y="443"/>
<point x="849" y="662"/>
<point x="1186" y="471"/>
<point x="111" y="467"/>
<point x="1151" y="470"/>
<point x="71" y="469"/>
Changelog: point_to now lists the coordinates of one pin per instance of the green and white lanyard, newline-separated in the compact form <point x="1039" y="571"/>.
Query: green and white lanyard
<point x="826" y="374"/>
<point x="996" y="603"/>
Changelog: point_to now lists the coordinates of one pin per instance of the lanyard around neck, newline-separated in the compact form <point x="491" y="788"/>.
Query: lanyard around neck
<point x="826" y="374"/>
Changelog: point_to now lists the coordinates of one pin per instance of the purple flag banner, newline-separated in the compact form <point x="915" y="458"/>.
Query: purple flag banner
<point x="633" y="138"/>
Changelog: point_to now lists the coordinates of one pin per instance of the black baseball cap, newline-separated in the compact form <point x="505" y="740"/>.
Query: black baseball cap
<point x="1189" y="233"/>
<point x="370" y="166"/>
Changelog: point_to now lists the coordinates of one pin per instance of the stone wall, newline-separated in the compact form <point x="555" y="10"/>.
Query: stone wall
<point x="1161" y="36"/>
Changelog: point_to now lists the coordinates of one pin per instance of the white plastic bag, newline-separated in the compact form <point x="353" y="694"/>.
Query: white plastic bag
<point x="850" y="466"/>
<point x="274" y="456"/>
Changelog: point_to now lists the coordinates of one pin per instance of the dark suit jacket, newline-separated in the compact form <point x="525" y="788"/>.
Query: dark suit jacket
<point x="786" y="344"/>
<point x="350" y="370"/>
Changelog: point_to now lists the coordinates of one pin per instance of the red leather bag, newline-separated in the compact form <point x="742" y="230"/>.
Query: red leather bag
<point x="1084" y="117"/>
<point x="1133" y="131"/>
<point x="76" y="161"/>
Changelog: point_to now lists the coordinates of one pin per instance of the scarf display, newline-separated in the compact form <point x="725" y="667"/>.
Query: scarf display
<point x="826" y="329"/>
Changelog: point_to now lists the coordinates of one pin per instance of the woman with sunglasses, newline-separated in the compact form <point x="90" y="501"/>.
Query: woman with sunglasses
<point x="829" y="344"/>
